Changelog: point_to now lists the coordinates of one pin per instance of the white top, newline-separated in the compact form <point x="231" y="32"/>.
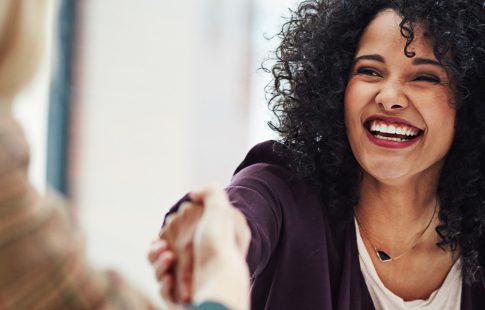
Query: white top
<point x="448" y="296"/>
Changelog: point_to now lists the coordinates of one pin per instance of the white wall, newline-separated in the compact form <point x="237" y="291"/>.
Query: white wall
<point x="164" y="103"/>
<point x="133" y="122"/>
<point x="269" y="16"/>
<point x="161" y="97"/>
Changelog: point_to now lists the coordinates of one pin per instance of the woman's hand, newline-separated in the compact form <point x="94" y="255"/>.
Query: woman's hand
<point x="162" y="259"/>
<point x="221" y="244"/>
<point x="202" y="250"/>
<point x="172" y="256"/>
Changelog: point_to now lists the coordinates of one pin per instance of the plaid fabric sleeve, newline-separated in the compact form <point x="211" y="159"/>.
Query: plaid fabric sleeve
<point x="42" y="262"/>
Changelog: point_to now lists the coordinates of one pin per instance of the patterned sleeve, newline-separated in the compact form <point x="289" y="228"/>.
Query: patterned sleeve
<point x="42" y="261"/>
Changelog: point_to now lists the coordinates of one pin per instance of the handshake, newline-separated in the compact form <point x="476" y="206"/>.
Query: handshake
<point x="200" y="254"/>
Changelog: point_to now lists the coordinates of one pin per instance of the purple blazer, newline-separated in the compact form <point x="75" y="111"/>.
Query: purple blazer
<point x="300" y="257"/>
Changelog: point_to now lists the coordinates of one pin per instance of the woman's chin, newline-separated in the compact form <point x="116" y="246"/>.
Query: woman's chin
<point x="388" y="174"/>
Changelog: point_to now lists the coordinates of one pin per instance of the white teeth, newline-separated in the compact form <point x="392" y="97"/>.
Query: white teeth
<point x="378" y="126"/>
<point x="391" y="129"/>
<point x="411" y="132"/>
<point x="391" y="138"/>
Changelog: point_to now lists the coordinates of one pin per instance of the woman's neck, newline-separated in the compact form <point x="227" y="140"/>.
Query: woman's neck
<point x="394" y="214"/>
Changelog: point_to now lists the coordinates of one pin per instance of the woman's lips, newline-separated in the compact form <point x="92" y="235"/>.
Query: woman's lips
<point x="391" y="132"/>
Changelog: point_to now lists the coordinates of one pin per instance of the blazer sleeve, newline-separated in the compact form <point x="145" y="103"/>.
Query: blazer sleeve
<point x="257" y="192"/>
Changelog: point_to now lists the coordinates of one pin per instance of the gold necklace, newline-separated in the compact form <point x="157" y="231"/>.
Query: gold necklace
<point x="381" y="254"/>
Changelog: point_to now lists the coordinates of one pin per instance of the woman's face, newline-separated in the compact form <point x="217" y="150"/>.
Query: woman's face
<point x="398" y="110"/>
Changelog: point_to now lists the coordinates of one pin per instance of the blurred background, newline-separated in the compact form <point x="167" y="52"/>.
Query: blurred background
<point x="139" y="101"/>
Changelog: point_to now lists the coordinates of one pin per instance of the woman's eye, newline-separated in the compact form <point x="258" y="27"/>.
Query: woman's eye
<point x="367" y="71"/>
<point x="427" y="78"/>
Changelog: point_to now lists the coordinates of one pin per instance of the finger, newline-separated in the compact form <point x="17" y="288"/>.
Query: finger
<point x="189" y="213"/>
<point x="174" y="217"/>
<point x="164" y="264"/>
<point x="217" y="199"/>
<point x="166" y="288"/>
<point x="210" y="197"/>
<point x="197" y="195"/>
<point x="186" y="288"/>
<point x="200" y="194"/>
<point x="170" y="218"/>
<point x="184" y="246"/>
<point x="170" y="225"/>
<point x="156" y="248"/>
<point x="183" y="271"/>
<point x="184" y="207"/>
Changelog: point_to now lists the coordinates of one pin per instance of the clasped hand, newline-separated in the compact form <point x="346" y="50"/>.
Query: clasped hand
<point x="201" y="250"/>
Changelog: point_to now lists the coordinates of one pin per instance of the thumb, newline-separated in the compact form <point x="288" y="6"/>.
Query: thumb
<point x="210" y="197"/>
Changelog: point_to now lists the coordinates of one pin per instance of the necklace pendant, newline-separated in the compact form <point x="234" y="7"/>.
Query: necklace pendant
<point x="383" y="256"/>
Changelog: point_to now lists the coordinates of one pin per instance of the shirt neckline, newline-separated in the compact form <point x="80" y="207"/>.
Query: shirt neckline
<point x="366" y="262"/>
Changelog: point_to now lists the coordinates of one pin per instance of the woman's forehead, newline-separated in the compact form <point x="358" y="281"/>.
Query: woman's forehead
<point x="384" y="33"/>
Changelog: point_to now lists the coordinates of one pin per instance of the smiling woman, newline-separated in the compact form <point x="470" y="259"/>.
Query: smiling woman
<point x="389" y="92"/>
<point x="392" y="92"/>
<point x="374" y="198"/>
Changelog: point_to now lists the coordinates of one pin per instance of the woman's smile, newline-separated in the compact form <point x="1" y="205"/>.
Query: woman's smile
<point x="391" y="132"/>
<point x="399" y="110"/>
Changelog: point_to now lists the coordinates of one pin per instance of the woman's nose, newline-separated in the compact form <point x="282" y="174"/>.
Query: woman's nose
<point x="392" y="97"/>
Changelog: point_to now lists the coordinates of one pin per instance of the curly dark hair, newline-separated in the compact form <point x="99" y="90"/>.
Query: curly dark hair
<point x="311" y="72"/>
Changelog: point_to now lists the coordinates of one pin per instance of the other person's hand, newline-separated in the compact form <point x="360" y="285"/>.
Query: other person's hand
<point x="201" y="253"/>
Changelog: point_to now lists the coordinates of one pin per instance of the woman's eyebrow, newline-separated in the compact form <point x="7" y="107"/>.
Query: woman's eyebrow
<point x="416" y="61"/>
<point x="426" y="61"/>
<point x="375" y="57"/>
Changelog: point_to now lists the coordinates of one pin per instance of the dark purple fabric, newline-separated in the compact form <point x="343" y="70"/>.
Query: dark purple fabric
<point x="300" y="257"/>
